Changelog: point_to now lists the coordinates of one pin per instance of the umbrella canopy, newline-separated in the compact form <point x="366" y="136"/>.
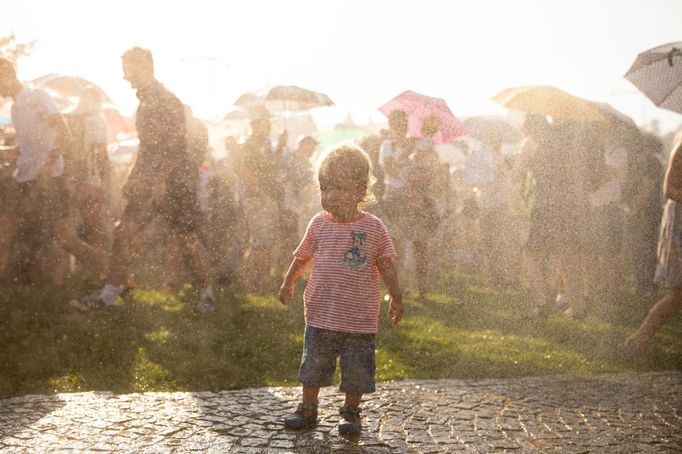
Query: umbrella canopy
<point x="487" y="128"/>
<point x="548" y="100"/>
<point x="67" y="90"/>
<point x="284" y="98"/>
<point x="616" y="120"/>
<point x="68" y="85"/>
<point x="657" y="73"/>
<point x="418" y="107"/>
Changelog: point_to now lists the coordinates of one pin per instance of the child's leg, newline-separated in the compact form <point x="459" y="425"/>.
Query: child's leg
<point x="351" y="422"/>
<point x="352" y="400"/>
<point x="172" y="261"/>
<point x="310" y="397"/>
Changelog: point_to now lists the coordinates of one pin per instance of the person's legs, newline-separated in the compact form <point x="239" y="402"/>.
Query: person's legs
<point x="196" y="251"/>
<point x="9" y="226"/>
<point x="310" y="397"/>
<point x="421" y="259"/>
<point x="572" y="264"/>
<point x="92" y="257"/>
<point x="613" y="273"/>
<point x="358" y="371"/>
<point x="318" y="364"/>
<point x="536" y="269"/>
<point x="662" y="311"/>
<point x="172" y="261"/>
<point x="93" y="211"/>
<point x="124" y="249"/>
<point x="352" y="400"/>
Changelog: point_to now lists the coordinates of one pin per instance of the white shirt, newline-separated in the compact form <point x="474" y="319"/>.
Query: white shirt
<point x="389" y="149"/>
<point x="34" y="135"/>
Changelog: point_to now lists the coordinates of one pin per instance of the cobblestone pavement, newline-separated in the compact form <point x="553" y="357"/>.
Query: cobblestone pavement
<point x="600" y="413"/>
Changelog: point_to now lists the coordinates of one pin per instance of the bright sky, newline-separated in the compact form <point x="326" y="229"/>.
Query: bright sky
<point x="359" y="52"/>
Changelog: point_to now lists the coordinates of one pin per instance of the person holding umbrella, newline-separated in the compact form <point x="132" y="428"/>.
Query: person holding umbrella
<point x="657" y="74"/>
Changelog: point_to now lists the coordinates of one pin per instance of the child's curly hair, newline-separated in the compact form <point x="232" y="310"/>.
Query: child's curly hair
<point x="351" y="163"/>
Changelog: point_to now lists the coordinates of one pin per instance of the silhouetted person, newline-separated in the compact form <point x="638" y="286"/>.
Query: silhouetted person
<point x="262" y="202"/>
<point x="42" y="136"/>
<point x="393" y="156"/>
<point x="421" y="173"/>
<point x="88" y="169"/>
<point x="162" y="182"/>
<point x="643" y="196"/>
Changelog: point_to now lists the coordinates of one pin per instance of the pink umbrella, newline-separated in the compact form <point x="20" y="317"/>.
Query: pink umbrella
<point x="417" y="107"/>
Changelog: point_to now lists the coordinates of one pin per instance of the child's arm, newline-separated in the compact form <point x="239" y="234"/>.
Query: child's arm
<point x="286" y="291"/>
<point x="390" y="278"/>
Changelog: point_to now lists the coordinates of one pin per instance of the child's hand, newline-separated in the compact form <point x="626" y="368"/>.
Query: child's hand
<point x="395" y="309"/>
<point x="286" y="293"/>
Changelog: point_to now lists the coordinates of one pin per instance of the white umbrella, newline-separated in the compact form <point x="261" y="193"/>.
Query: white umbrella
<point x="657" y="73"/>
<point x="283" y="98"/>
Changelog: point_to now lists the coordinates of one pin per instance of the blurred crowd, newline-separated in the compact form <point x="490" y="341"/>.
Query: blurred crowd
<point x="571" y="207"/>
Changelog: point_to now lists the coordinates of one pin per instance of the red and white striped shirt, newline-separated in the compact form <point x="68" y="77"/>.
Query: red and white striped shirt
<point x="343" y="289"/>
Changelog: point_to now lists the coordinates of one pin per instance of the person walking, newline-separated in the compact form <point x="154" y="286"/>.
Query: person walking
<point x="42" y="136"/>
<point x="669" y="269"/>
<point x="162" y="182"/>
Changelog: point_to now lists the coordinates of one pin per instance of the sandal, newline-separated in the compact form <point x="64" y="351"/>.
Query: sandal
<point x="298" y="420"/>
<point x="350" y="424"/>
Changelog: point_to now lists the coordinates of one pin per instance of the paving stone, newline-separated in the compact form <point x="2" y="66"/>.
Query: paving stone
<point x="635" y="412"/>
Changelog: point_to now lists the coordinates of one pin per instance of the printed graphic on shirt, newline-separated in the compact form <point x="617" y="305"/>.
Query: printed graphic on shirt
<point x="355" y="257"/>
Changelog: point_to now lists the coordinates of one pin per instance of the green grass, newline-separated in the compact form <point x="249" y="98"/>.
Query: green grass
<point x="156" y="342"/>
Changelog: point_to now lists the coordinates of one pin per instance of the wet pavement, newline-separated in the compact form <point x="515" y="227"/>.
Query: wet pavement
<point x="634" y="412"/>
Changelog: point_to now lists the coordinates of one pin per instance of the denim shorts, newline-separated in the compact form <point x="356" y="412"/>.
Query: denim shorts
<point x="321" y="348"/>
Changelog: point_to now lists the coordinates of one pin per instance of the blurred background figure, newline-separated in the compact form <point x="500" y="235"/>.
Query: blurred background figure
<point x="393" y="156"/>
<point x="558" y="216"/>
<point x="87" y="166"/>
<point x="197" y="150"/>
<point x="643" y="201"/>
<point x="263" y="195"/>
<point x="299" y="191"/>
<point x="493" y="199"/>
<point x="43" y="214"/>
<point x="423" y="188"/>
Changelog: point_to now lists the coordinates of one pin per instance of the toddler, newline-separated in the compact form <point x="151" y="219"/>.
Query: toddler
<point x="350" y="249"/>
